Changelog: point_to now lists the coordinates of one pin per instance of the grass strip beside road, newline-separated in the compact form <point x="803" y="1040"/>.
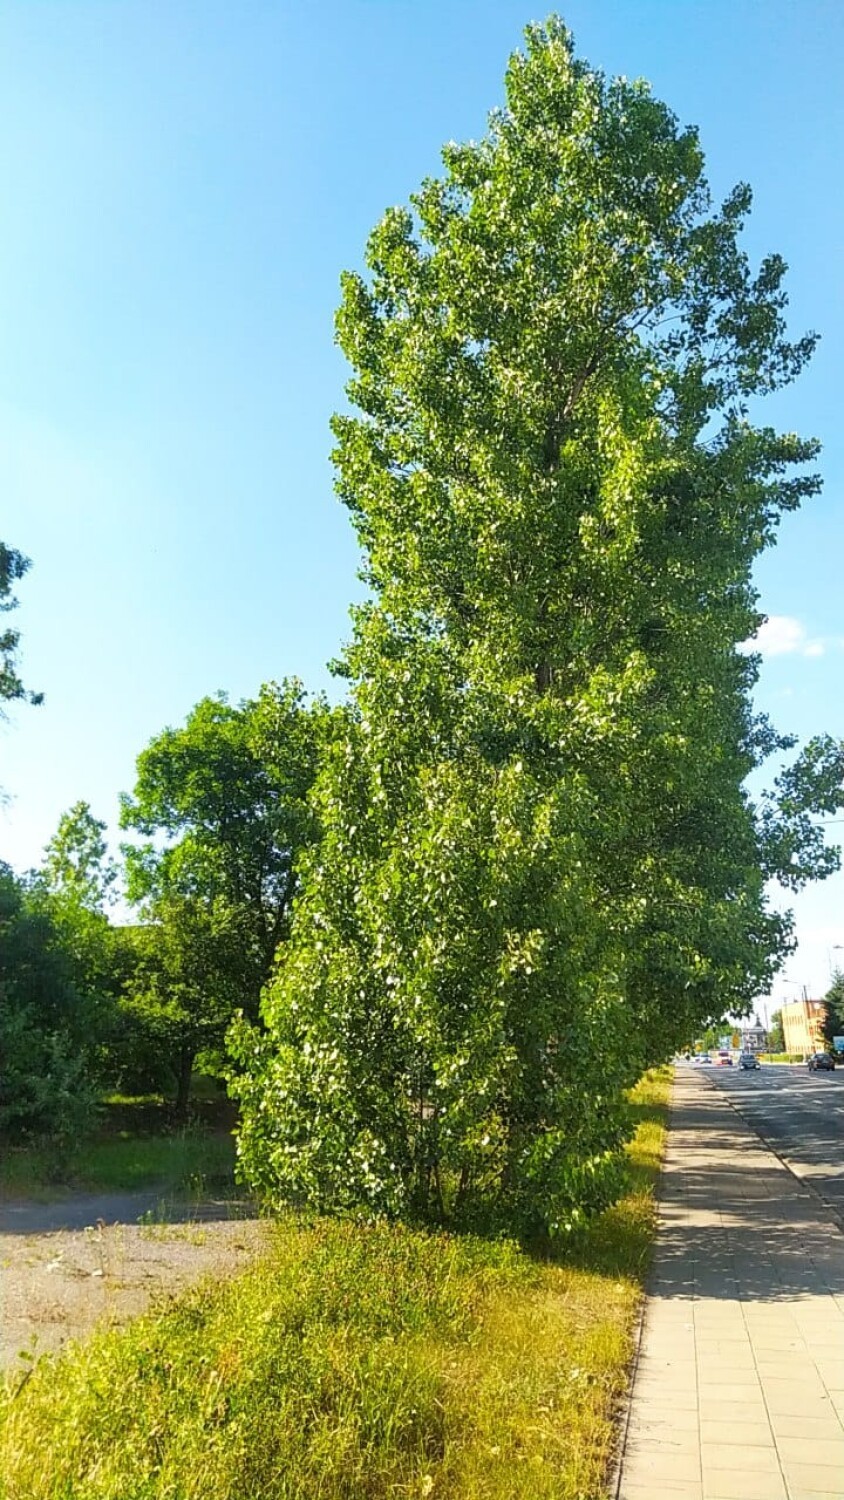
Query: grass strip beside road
<point x="178" y="1161"/>
<point x="137" y="1145"/>
<point x="358" y="1361"/>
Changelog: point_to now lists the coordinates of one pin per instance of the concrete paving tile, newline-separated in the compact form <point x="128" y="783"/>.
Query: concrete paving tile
<point x="730" y="1390"/>
<point x="676" y="1359"/>
<point x="717" y="1313"/>
<point x="814" y="1338"/>
<point x="733" y="1413"/>
<point x="820" y="1451"/>
<point x="733" y="1367"/>
<point x="739" y="1458"/>
<point x="674" y="1381"/>
<point x="669" y="1341"/>
<point x="756" y="1434"/>
<point x="794" y="1403"/>
<point x="815" y="1332"/>
<point x="674" y="1444"/>
<point x="670" y="1319"/>
<point x="667" y="1398"/>
<point x="769" y="1312"/>
<point x="773" y="1343"/>
<point x="809" y="1429"/>
<point x="725" y="1346"/>
<point x="826" y="1478"/>
<point x="772" y="1325"/>
<point x="651" y="1435"/>
<point x="670" y="1361"/>
<point x="718" y="1484"/>
<point x="801" y="1372"/>
<point x="658" y="1465"/>
<point x="730" y="1333"/>
<point x="810" y="1400"/>
<point x="654" y="1413"/>
<point x="826" y="1354"/>
<point x="636" y="1491"/>
<point x="714" y="1328"/>
<point x="729" y="1330"/>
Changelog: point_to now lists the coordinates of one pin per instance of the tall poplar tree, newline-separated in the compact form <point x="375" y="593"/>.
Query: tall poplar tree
<point x="539" y="870"/>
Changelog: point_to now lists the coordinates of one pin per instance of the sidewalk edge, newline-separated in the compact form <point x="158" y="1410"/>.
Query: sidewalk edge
<point x="616" y="1468"/>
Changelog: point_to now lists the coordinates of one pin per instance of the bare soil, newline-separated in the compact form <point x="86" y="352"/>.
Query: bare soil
<point x="67" y="1267"/>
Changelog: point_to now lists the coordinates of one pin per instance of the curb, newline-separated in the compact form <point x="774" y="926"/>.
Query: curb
<point x="626" y="1405"/>
<point x="617" y="1469"/>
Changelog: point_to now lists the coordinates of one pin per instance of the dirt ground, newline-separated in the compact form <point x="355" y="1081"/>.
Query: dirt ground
<point x="65" y="1267"/>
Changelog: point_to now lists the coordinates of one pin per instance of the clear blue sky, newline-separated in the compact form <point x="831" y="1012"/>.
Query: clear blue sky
<point x="182" y="184"/>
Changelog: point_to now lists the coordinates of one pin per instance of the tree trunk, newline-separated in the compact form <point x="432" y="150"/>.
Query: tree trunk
<point x="186" y="1057"/>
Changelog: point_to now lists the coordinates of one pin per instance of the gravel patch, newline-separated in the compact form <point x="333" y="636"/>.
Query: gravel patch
<point x="68" y="1267"/>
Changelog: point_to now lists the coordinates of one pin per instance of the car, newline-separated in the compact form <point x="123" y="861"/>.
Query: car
<point x="748" y="1060"/>
<point x="703" y="1057"/>
<point x="821" y="1062"/>
<point x="724" y="1059"/>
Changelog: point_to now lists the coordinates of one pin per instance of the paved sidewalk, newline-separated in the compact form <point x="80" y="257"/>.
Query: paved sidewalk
<point x="739" y="1390"/>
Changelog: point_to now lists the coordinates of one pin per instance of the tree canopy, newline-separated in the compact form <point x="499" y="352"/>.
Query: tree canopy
<point x="13" y="566"/>
<point x="50" y="1021"/>
<point x="223" y="803"/>
<point x="539" y="869"/>
<point x="77" y="864"/>
<point x="833" y="1025"/>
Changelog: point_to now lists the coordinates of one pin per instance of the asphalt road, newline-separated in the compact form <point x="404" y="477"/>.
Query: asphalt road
<point x="798" y="1113"/>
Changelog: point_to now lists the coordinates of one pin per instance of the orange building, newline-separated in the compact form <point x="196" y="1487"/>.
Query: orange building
<point x="802" y="1026"/>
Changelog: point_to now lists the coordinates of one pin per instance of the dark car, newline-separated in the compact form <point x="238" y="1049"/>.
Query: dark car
<point x="821" y="1062"/>
<point x="748" y="1060"/>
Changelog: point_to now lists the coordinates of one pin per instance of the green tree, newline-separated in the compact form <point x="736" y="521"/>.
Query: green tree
<point x="793" y="841"/>
<point x="48" y="1024"/>
<point x="77" y="863"/>
<point x="539" y="869"/>
<point x="180" y="992"/>
<point x="833" y="1025"/>
<point x="13" y="565"/>
<point x="72" y="886"/>
<point x="711" y="1037"/>
<point x="223" y="802"/>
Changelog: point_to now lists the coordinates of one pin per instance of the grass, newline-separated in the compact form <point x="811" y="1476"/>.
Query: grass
<point x="136" y="1145"/>
<point x="120" y="1162"/>
<point x="353" y="1363"/>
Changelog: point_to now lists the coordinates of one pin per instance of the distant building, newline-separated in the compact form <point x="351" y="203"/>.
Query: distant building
<point x="802" y="1026"/>
<point x="754" y="1039"/>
